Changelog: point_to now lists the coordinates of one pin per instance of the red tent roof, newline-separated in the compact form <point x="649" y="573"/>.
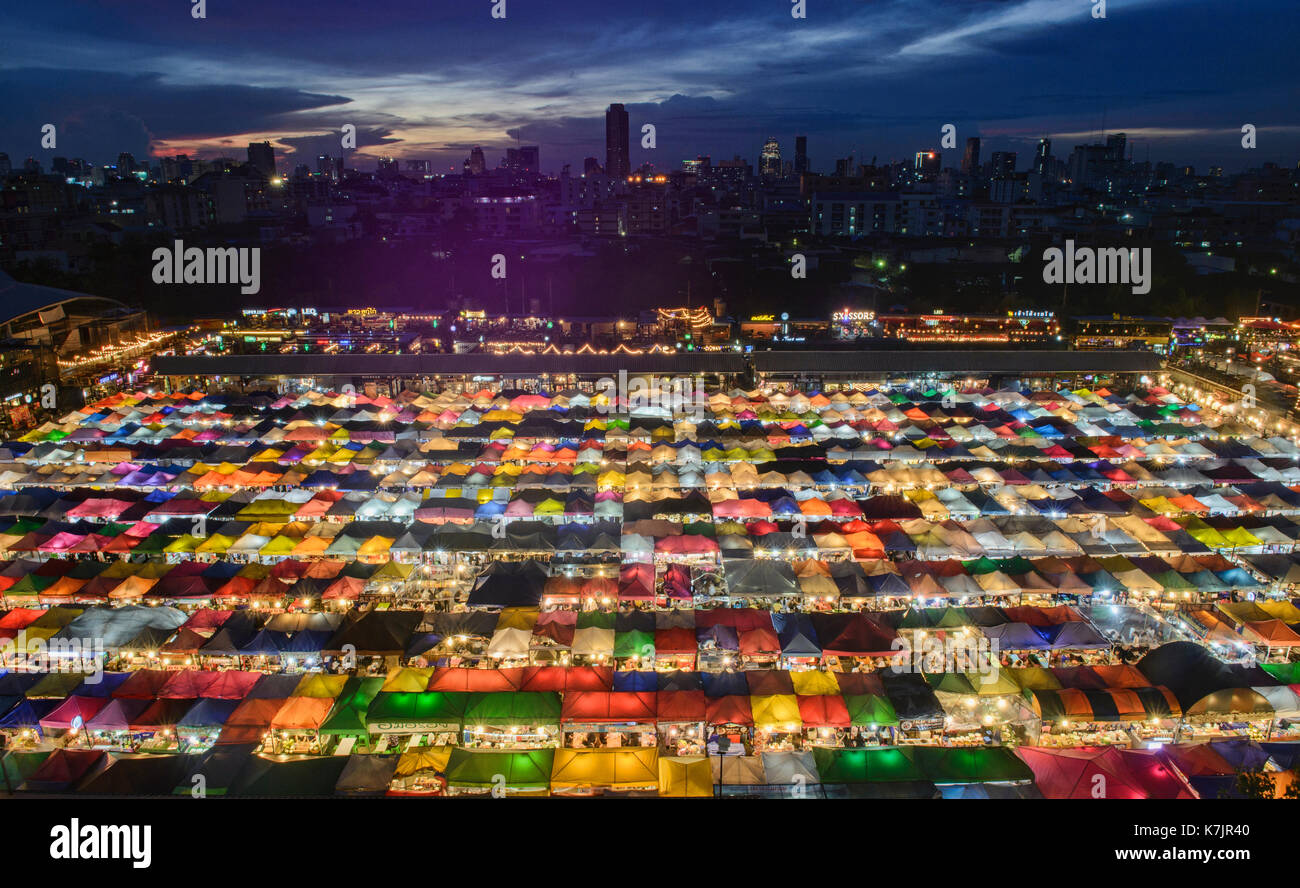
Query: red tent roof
<point x="1105" y="772"/>
<point x="608" y="706"/>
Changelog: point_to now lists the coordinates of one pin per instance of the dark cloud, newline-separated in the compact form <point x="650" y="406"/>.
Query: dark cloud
<point x="874" y="78"/>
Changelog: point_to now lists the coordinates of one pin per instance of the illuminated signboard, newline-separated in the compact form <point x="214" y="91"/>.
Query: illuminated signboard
<point x="762" y="319"/>
<point x="854" y="317"/>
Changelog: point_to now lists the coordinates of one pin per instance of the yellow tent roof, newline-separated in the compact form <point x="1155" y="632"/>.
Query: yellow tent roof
<point x="429" y="758"/>
<point x="318" y="684"/>
<point x="629" y="768"/>
<point x="409" y="679"/>
<point x="776" y="711"/>
<point x="685" y="777"/>
<point x="813" y="681"/>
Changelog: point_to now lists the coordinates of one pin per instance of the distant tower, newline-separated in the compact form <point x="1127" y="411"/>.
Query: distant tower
<point x="800" y="155"/>
<point x="1116" y="147"/>
<point x="261" y="157"/>
<point x="1043" y="156"/>
<point x="770" y="159"/>
<point x="477" y="162"/>
<point x="970" y="161"/>
<point x="618" y="163"/>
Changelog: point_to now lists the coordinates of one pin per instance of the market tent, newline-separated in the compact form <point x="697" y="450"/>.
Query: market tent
<point x="349" y="711"/>
<point x="302" y="714"/>
<point x="366" y="775"/>
<point x="1189" y="670"/>
<point x="506" y="708"/>
<point x="476" y="680"/>
<point x="63" y="768"/>
<point x="793" y="768"/>
<point x="523" y="770"/>
<point x="219" y="768"/>
<point x="625" y="769"/>
<point x="871" y="765"/>
<point x="138" y="775"/>
<point x="942" y="765"/>
<point x="1123" y="773"/>
<point x="405" y="712"/>
<point x="737" y="770"/>
<point x="870" y="709"/>
<point x="685" y="777"/>
<point x="592" y="707"/>
<point x="776" y="711"/>
<point x="249" y="721"/>
<point x="288" y="776"/>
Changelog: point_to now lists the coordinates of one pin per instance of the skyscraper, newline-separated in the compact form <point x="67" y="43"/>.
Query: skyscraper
<point x="800" y="155"/>
<point x="1002" y="164"/>
<point x="927" y="164"/>
<point x="970" y="161"/>
<point x="529" y="159"/>
<point x="769" y="163"/>
<point x="617" y="153"/>
<point x="1043" y="156"/>
<point x="261" y="157"/>
<point x="1116" y="147"/>
<point x="477" y="163"/>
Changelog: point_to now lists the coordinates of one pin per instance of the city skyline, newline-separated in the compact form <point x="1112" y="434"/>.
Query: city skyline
<point x="155" y="82"/>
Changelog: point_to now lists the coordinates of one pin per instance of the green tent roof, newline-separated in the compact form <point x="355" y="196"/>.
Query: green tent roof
<point x="349" y="713"/>
<point x="521" y="769"/>
<point x="416" y="708"/>
<point x="869" y="709"/>
<point x="502" y="708"/>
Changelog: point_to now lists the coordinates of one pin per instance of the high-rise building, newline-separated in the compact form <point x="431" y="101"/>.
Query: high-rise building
<point x="176" y="168"/>
<point x="1043" y="156"/>
<point x="590" y="166"/>
<point x="927" y="164"/>
<point x="769" y="159"/>
<point x="970" y="161"/>
<point x="618" y="162"/>
<point x="1002" y="164"/>
<point x="261" y="157"/>
<point x="1089" y="166"/>
<point x="1116" y="146"/>
<point x="5" y="166"/>
<point x="476" y="165"/>
<point x="524" y="160"/>
<point x="800" y="155"/>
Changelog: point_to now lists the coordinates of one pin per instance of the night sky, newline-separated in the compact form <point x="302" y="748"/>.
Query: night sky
<point x="431" y="78"/>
